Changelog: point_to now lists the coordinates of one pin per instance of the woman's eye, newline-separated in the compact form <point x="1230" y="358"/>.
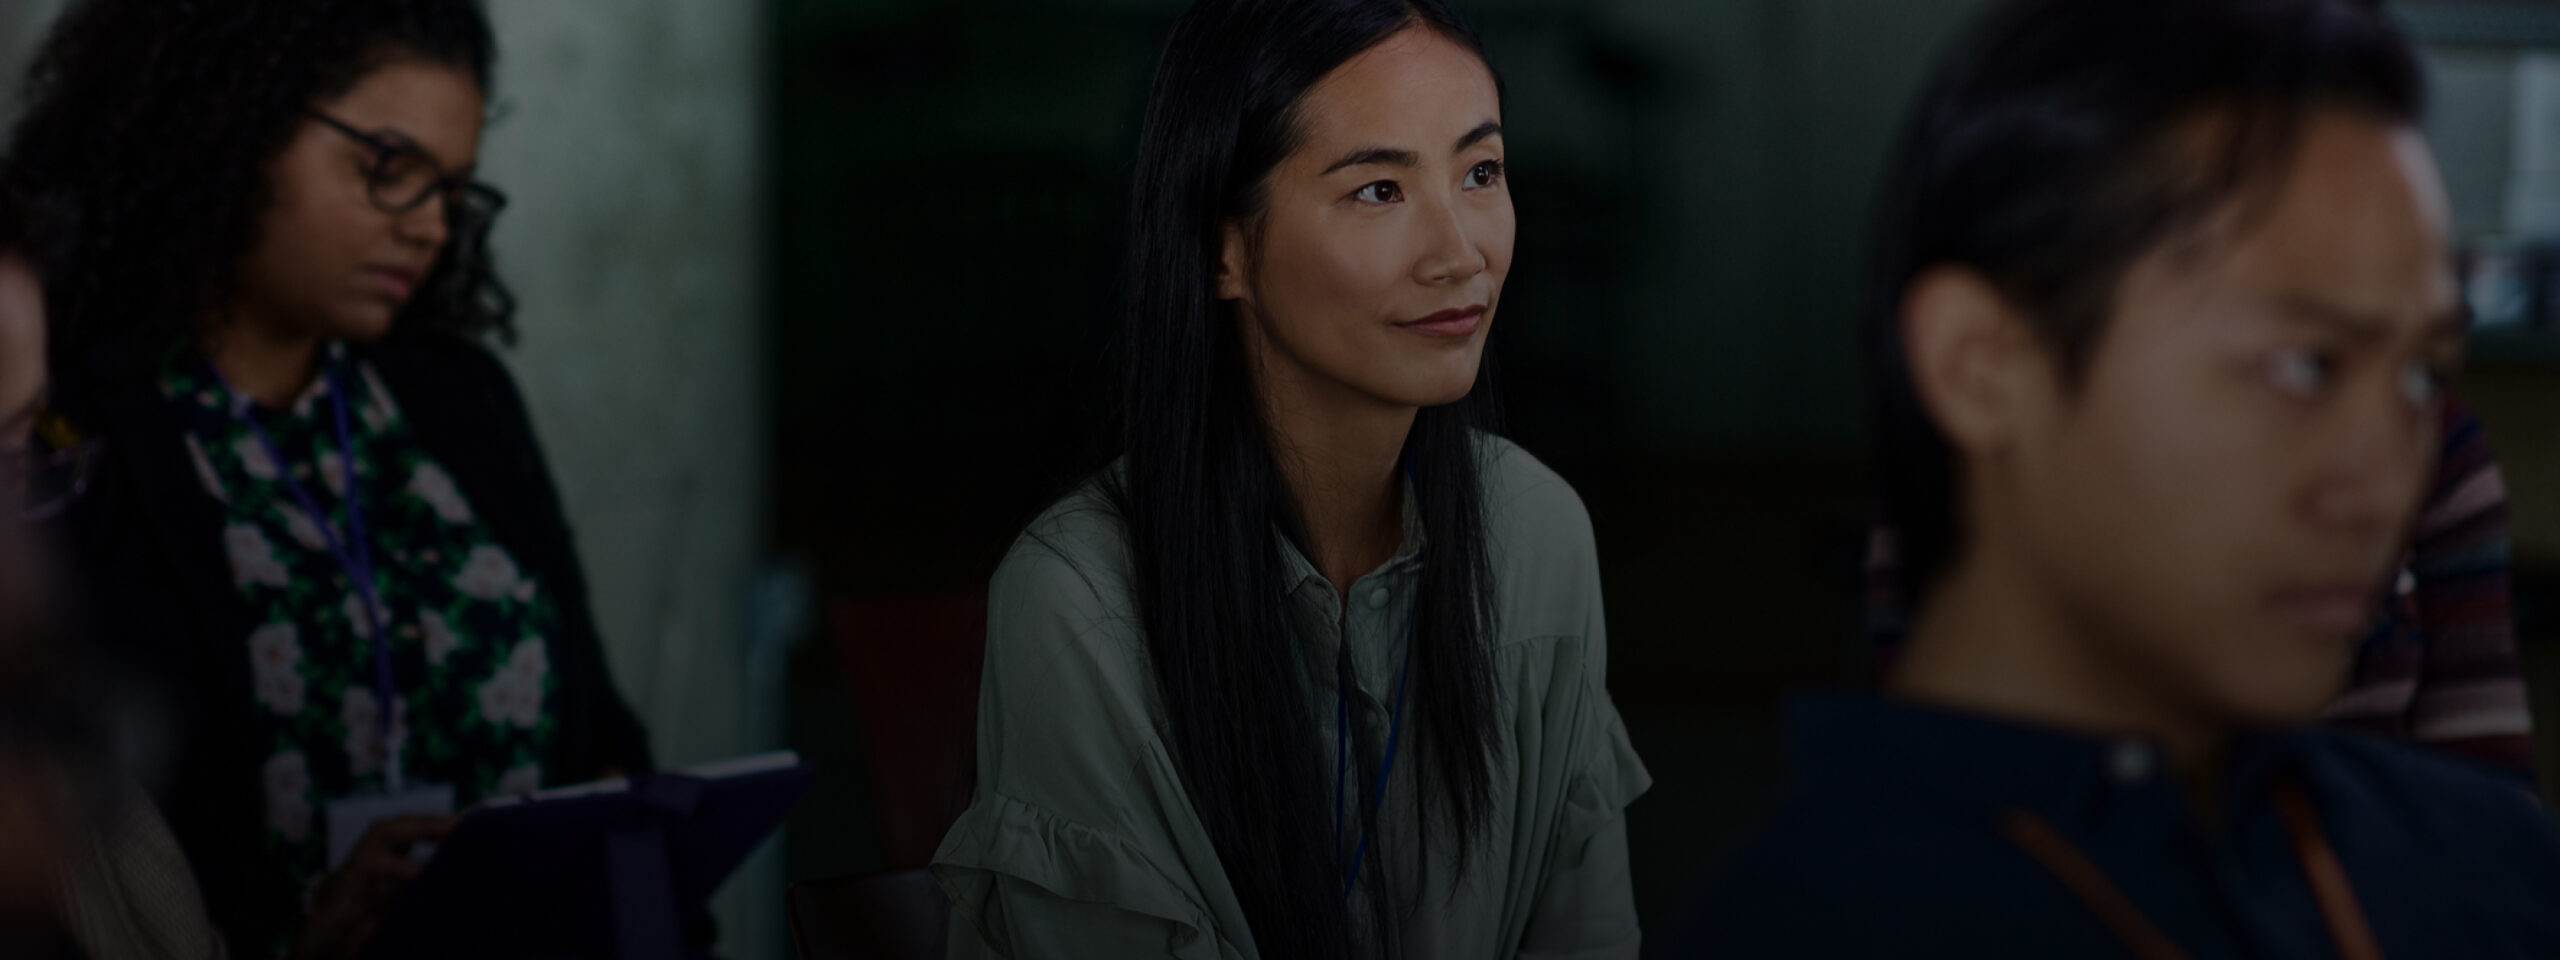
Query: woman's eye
<point x="2301" y="372"/>
<point x="1485" y="174"/>
<point x="1383" y="191"/>
<point x="402" y="172"/>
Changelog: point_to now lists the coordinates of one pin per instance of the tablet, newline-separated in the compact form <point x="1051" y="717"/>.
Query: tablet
<point x="597" y="870"/>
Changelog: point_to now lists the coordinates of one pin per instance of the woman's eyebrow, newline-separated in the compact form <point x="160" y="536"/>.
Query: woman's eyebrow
<point x="1399" y="157"/>
<point x="1386" y="156"/>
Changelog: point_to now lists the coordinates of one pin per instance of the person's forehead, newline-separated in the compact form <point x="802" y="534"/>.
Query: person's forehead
<point x="2353" y="221"/>
<point x="2362" y="197"/>
<point x="436" y="105"/>
<point x="1412" y="85"/>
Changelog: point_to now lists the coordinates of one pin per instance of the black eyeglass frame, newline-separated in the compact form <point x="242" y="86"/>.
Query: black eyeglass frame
<point x="467" y="201"/>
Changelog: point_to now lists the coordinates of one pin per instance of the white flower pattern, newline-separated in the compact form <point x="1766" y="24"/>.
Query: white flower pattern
<point x="466" y="622"/>
<point x="487" y="575"/>
<point x="431" y="484"/>
<point x="514" y="694"/>
<point x="302" y="528"/>
<point x="275" y="659"/>
<point x="359" y="620"/>
<point x="253" y="557"/>
<point x="379" y="409"/>
<point x="333" y="474"/>
<point x="253" y="457"/>
<point x="440" y="638"/>
<point x="363" y="718"/>
<point x="204" y="472"/>
<point x="318" y="390"/>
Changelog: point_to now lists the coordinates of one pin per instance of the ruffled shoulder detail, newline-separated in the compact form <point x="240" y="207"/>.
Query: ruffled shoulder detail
<point x="999" y="836"/>
<point x="1613" y="777"/>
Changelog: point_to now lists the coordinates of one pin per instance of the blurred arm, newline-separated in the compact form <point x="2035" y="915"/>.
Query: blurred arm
<point x="2470" y="697"/>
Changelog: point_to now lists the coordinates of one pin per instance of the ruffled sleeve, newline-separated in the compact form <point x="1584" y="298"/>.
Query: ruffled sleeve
<point x="1025" y="882"/>
<point x="1585" y="767"/>
<point x="1586" y="908"/>
<point x="1080" y="840"/>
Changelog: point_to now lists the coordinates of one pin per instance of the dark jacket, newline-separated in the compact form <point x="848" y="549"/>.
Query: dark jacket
<point x="158" y="601"/>
<point x="1891" y="843"/>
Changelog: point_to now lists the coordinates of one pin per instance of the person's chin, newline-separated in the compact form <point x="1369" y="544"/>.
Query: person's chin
<point x="364" y="323"/>
<point x="1432" y="395"/>
<point x="1438" y="381"/>
<point x="2287" y="694"/>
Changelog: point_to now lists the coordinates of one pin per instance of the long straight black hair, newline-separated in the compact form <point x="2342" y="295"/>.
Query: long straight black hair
<point x="1201" y="493"/>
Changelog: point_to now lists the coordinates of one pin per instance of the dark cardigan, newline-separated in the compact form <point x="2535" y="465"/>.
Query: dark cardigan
<point x="159" y="604"/>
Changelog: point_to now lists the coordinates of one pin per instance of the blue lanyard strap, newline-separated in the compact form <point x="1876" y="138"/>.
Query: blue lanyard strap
<point x="1342" y="762"/>
<point x="354" y="552"/>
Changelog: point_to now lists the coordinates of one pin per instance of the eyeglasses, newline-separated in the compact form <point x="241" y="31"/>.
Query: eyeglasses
<point x="402" y="178"/>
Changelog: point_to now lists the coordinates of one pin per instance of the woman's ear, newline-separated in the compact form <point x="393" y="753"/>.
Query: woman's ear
<point x="1235" y="260"/>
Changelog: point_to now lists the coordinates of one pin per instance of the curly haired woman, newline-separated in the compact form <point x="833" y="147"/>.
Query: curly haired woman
<point x="322" y="530"/>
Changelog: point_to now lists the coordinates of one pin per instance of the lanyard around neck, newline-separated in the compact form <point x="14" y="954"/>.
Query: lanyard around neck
<point x="353" y="552"/>
<point x="1342" y="762"/>
<point x="2348" y="927"/>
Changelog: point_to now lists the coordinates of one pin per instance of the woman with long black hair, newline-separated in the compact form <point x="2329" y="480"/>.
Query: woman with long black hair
<point x="1317" y="669"/>
<point x="320" y="533"/>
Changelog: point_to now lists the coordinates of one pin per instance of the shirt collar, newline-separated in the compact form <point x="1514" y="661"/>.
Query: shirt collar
<point x="1849" y="744"/>
<point x="1300" y="571"/>
<point x="192" y="380"/>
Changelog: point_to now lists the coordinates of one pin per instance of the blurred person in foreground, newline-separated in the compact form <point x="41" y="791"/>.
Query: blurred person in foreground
<point x="2163" y="310"/>
<point x="88" y="868"/>
<point x="2439" y="666"/>
<point x="322" y="536"/>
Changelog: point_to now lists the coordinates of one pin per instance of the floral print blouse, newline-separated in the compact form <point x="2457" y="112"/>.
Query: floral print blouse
<point x="472" y="672"/>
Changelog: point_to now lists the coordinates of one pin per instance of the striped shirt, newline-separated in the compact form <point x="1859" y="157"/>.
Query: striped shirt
<point x="2440" y="668"/>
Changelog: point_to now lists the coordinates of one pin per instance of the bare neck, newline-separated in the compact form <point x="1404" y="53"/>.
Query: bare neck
<point x="1990" y="641"/>
<point x="1338" y="452"/>
<point x="269" y="365"/>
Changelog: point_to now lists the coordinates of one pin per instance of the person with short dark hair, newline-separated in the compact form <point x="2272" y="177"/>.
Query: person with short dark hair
<point x="2162" y="311"/>
<point x="2439" y="667"/>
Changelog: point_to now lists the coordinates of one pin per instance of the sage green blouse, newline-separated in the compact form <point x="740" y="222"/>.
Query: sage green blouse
<point x="1081" y="842"/>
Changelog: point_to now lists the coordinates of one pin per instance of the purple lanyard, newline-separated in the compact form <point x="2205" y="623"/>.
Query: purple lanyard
<point x="354" y="552"/>
<point x="1342" y="745"/>
<point x="1342" y="762"/>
